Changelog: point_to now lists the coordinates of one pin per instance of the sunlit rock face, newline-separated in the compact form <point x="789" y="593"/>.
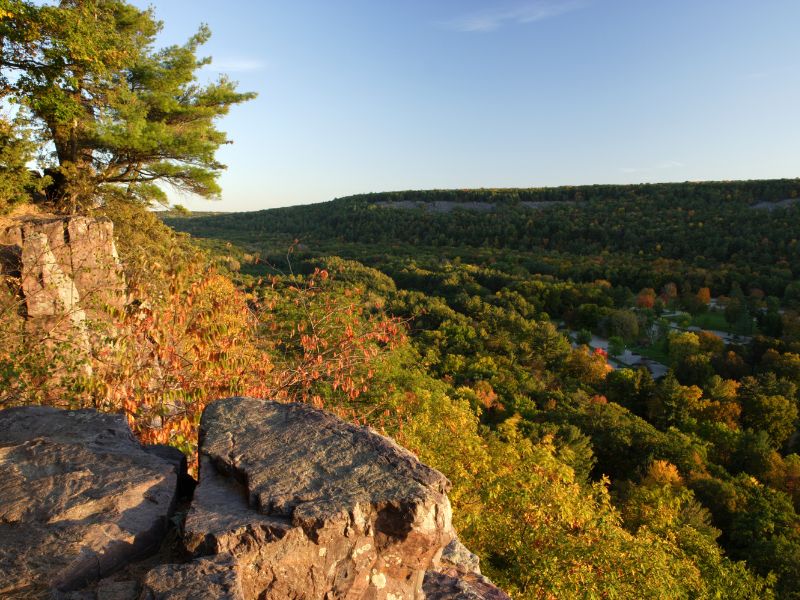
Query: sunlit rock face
<point x="457" y="576"/>
<point x="67" y="279"/>
<point x="65" y="262"/>
<point x="79" y="498"/>
<point x="292" y="503"/>
<point x="309" y="502"/>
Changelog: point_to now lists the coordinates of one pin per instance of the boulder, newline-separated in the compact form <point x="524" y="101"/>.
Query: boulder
<point x="457" y="576"/>
<point x="310" y="507"/>
<point x="80" y="498"/>
<point x="457" y="555"/>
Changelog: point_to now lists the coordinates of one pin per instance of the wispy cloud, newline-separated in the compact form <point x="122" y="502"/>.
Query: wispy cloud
<point x="667" y="164"/>
<point x="774" y="71"/>
<point x="235" y="65"/>
<point x="508" y="14"/>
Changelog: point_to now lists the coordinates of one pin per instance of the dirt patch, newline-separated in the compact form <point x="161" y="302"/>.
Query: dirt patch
<point x="786" y="203"/>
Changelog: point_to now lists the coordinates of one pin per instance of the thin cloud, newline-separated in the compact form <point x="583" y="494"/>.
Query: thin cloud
<point x="667" y="164"/>
<point x="235" y="65"/>
<point x="519" y="14"/>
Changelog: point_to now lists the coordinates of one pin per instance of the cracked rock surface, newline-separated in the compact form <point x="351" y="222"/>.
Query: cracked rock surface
<point x="80" y="497"/>
<point x="315" y="505"/>
<point x="292" y="503"/>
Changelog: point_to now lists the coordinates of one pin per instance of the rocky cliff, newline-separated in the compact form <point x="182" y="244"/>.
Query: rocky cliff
<point x="67" y="275"/>
<point x="291" y="503"/>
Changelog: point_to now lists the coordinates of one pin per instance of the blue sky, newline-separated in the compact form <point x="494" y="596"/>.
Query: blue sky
<point x="375" y="95"/>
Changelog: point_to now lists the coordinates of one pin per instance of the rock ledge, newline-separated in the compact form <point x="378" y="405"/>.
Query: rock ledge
<point x="292" y="503"/>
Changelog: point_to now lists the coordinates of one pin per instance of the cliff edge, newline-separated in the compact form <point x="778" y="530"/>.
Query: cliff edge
<point x="292" y="502"/>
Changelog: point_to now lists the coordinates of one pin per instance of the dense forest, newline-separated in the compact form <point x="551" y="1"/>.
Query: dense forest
<point x="527" y="316"/>
<point x="609" y="375"/>
<point x="704" y="234"/>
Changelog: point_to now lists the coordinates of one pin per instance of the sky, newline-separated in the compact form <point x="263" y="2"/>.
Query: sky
<point x="359" y="96"/>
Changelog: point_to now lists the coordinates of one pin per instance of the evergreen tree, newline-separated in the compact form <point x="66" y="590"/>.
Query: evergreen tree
<point x="119" y="115"/>
<point x="16" y="181"/>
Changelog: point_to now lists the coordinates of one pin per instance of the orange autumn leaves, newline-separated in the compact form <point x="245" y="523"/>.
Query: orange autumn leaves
<point x="178" y="352"/>
<point x="325" y="339"/>
<point x="295" y="339"/>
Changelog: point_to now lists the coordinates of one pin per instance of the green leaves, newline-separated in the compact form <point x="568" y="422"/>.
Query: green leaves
<point x="119" y="114"/>
<point x="16" y="181"/>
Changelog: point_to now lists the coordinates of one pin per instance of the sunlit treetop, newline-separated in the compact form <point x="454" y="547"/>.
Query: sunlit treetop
<point x="113" y="115"/>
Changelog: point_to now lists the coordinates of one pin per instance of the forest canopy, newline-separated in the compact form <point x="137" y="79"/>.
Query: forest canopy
<point x="641" y="343"/>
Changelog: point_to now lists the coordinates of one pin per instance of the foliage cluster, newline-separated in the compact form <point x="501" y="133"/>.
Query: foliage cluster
<point x="702" y="463"/>
<point x="109" y="114"/>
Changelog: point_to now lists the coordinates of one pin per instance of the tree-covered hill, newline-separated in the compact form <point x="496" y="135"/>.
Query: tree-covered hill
<point x="515" y="299"/>
<point x="714" y="234"/>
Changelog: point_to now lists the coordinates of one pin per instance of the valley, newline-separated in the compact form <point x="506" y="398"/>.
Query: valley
<point x="441" y="390"/>
<point x="650" y="333"/>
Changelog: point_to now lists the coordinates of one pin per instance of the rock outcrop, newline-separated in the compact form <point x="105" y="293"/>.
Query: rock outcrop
<point x="323" y="506"/>
<point x="80" y="497"/>
<point x="457" y="576"/>
<point x="457" y="585"/>
<point x="68" y="273"/>
<point x="292" y="503"/>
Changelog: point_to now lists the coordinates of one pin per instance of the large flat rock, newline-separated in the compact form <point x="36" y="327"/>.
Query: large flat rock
<point x="310" y="507"/>
<point x="80" y="497"/>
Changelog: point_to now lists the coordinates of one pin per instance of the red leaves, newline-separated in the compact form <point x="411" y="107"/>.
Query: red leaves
<point x="336" y="343"/>
<point x="196" y="337"/>
<point x="175" y="355"/>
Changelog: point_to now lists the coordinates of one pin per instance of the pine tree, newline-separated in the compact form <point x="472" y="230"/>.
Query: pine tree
<point x="16" y="150"/>
<point x="118" y="116"/>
